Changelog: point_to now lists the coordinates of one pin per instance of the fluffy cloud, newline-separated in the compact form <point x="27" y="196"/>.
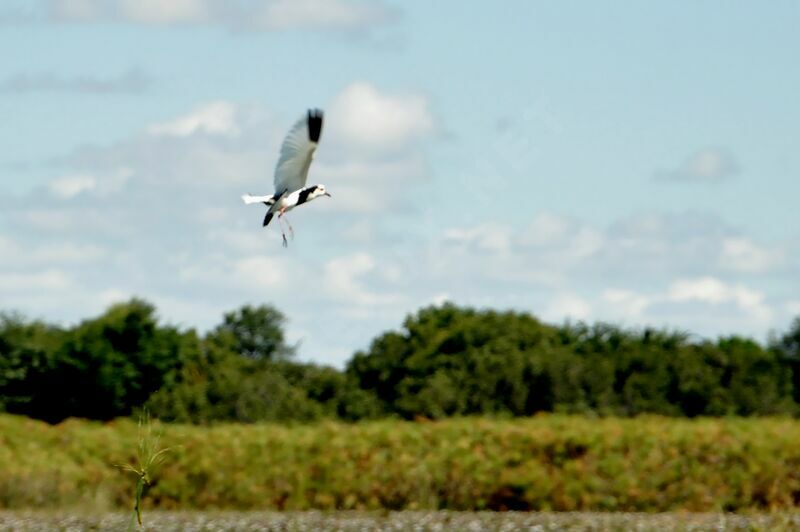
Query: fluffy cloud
<point x="709" y="165"/>
<point x="569" y="306"/>
<point x="706" y="305"/>
<point x="69" y="186"/>
<point x="365" y="117"/>
<point x="131" y="82"/>
<point x="237" y="15"/>
<point x="743" y="255"/>
<point x="259" y="272"/>
<point x="488" y="238"/>
<point x="215" y="118"/>
<point x="23" y="256"/>
<point x="666" y="270"/>
<point x="715" y="292"/>
<point x="625" y="304"/>
<point x="319" y="14"/>
<point x="343" y="281"/>
<point x="158" y="12"/>
<point x="47" y="280"/>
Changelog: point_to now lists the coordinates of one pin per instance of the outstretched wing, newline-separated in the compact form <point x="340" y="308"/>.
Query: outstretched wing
<point x="297" y="150"/>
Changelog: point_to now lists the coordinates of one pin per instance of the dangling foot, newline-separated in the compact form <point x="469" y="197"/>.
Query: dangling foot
<point x="283" y="233"/>
<point x="291" y="231"/>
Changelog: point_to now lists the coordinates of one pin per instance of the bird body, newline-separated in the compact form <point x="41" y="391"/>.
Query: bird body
<point x="291" y="171"/>
<point x="287" y="202"/>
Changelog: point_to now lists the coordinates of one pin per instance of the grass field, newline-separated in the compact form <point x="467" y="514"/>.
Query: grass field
<point x="548" y="463"/>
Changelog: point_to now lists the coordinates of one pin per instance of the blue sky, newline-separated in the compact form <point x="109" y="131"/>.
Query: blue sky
<point x="634" y="163"/>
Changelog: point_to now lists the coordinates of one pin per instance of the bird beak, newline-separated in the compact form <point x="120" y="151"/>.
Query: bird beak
<point x="327" y="194"/>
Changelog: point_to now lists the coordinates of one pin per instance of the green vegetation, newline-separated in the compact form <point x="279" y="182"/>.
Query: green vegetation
<point x="451" y="361"/>
<point x="150" y="455"/>
<point x="548" y="462"/>
<point x="445" y="361"/>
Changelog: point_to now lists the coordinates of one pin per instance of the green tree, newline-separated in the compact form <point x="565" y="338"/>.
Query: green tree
<point x="787" y="347"/>
<point x="257" y="332"/>
<point x="109" y="365"/>
<point x="759" y="384"/>
<point x="454" y="361"/>
<point x="217" y="384"/>
<point x="26" y="355"/>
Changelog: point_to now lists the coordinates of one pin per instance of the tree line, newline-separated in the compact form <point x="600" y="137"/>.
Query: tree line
<point x="444" y="361"/>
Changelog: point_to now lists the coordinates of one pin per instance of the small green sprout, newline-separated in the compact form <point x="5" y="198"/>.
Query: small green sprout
<point x="150" y="456"/>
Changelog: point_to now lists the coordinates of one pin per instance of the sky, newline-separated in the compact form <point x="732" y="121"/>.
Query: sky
<point x="633" y="163"/>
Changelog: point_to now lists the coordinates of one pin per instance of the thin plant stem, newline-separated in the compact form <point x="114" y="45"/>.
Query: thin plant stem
<point x="150" y="456"/>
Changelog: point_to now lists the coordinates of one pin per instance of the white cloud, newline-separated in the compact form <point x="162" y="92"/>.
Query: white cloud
<point x="561" y="240"/>
<point x="44" y="280"/>
<point x="319" y="14"/>
<point x="490" y="237"/>
<point x="236" y="240"/>
<point x="378" y="122"/>
<point x="259" y="272"/>
<point x="715" y="292"/>
<point x="56" y="220"/>
<point x="705" y="289"/>
<point x="569" y="306"/>
<point x="24" y="255"/>
<point x="77" y="10"/>
<point x="625" y="304"/>
<point x="661" y="270"/>
<point x="215" y="118"/>
<point x="354" y="182"/>
<point x="704" y="305"/>
<point x="546" y="229"/>
<point x="362" y="232"/>
<point x="440" y="299"/>
<point x="709" y="165"/>
<point x="160" y="12"/>
<point x="743" y="255"/>
<point x="235" y="15"/>
<point x="343" y="280"/>
<point x="146" y="12"/>
<point x="69" y="186"/>
<point x="133" y="81"/>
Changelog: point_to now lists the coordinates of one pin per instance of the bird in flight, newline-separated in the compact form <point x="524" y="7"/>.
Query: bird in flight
<point x="291" y="172"/>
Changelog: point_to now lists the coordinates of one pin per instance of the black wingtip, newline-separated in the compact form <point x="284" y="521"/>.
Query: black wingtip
<point x="314" y="124"/>
<point x="267" y="219"/>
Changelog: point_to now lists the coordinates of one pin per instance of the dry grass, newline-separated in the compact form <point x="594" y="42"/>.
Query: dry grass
<point x="549" y="463"/>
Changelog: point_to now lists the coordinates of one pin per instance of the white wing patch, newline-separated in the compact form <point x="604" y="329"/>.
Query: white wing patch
<point x="297" y="151"/>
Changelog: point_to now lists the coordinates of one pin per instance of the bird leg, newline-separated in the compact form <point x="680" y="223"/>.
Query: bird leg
<point x="283" y="234"/>
<point x="291" y="230"/>
<point x="280" y="224"/>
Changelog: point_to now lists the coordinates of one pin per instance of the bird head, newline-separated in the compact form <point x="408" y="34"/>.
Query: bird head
<point x="318" y="190"/>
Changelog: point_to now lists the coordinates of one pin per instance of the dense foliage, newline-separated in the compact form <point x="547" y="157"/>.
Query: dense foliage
<point x="445" y="361"/>
<point x="541" y="463"/>
<point x="452" y="361"/>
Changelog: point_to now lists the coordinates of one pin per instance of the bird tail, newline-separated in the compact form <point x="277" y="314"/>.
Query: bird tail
<point x="266" y="200"/>
<point x="268" y="218"/>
